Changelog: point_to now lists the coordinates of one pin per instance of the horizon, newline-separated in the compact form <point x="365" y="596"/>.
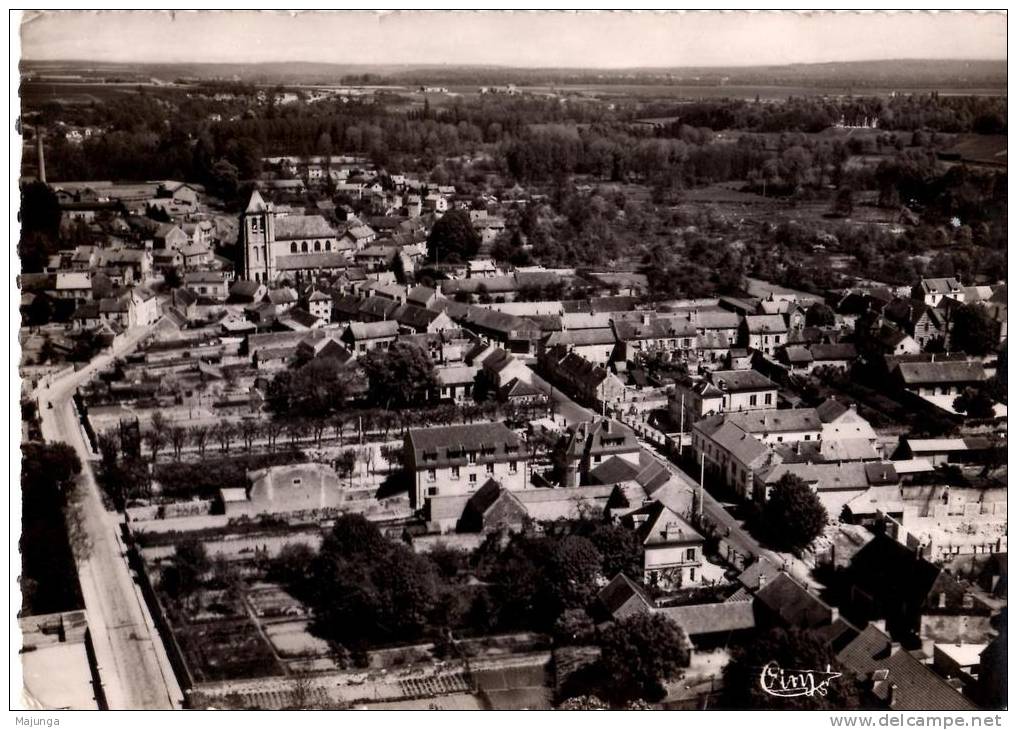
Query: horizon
<point x="607" y="41"/>
<point x="508" y="67"/>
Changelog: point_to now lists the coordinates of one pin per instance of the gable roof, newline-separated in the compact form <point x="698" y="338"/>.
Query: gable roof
<point x="292" y="227"/>
<point x="785" y="598"/>
<point x="765" y="324"/>
<point x="623" y="597"/>
<point x="662" y="526"/>
<point x="739" y="381"/>
<point x="773" y="420"/>
<point x="939" y="371"/>
<point x="257" y="204"/>
<point x="712" y="618"/>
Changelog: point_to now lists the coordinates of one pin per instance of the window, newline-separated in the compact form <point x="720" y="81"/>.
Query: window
<point x="490" y="468"/>
<point x="776" y="339"/>
<point x="768" y="399"/>
<point x="303" y="247"/>
<point x="432" y="491"/>
<point x="472" y="457"/>
<point x="328" y="245"/>
<point x="513" y="467"/>
<point x="455" y="472"/>
<point x="808" y="437"/>
<point x="780" y="439"/>
<point x="296" y="482"/>
<point x="752" y="400"/>
<point x="766" y="339"/>
<point x="317" y="245"/>
<point x="690" y="554"/>
<point x="692" y="574"/>
<point x="473" y="478"/>
<point x="293" y="247"/>
<point x="596" y="459"/>
<point x="255" y="225"/>
<point x="432" y="475"/>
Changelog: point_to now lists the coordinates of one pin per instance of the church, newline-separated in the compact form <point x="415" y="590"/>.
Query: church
<point x="288" y="247"/>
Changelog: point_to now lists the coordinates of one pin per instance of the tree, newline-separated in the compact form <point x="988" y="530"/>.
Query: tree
<point x="973" y="330"/>
<point x="190" y="564"/>
<point x="641" y="652"/>
<point x="844" y="203"/>
<point x="794" y="649"/>
<point x="974" y="402"/>
<point x="365" y="587"/>
<point x="793" y="513"/>
<point x="618" y="546"/>
<point x="403" y="375"/>
<point x="177" y="438"/>
<point x="49" y="465"/>
<point x="199" y="437"/>
<point x="820" y="315"/>
<point x="571" y="574"/>
<point x="316" y="389"/>
<point x="453" y="239"/>
<point x="155" y="437"/>
<point x="292" y="565"/>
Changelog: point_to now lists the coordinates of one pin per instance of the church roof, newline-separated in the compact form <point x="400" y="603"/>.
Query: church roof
<point x="257" y="204"/>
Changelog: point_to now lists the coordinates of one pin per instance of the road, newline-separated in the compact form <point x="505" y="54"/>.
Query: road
<point x="133" y="666"/>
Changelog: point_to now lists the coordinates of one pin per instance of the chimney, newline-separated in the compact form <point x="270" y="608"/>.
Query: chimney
<point x="879" y="624"/>
<point x="760" y="582"/>
<point x="834" y="614"/>
<point x="891" y="698"/>
<point x="41" y="158"/>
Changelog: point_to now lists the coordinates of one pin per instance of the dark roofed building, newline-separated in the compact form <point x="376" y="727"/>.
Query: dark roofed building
<point x="456" y="460"/>
<point x="785" y="602"/>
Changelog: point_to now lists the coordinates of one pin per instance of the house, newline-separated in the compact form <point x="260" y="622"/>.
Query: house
<point x="207" y="284"/>
<point x="323" y="348"/>
<point x="298" y="320"/>
<point x="583" y="379"/>
<point x="414" y="318"/>
<point x="674" y="336"/>
<point x="835" y="483"/>
<point x="938" y="451"/>
<point x="456" y="382"/>
<point x="596" y="345"/>
<point x="360" y="236"/>
<point x="422" y="296"/>
<point x="893" y="678"/>
<point x="895" y="342"/>
<point x="672" y="548"/>
<point x="782" y="601"/>
<point x="730" y="454"/>
<point x="939" y="377"/>
<point x="457" y="460"/>
<point x="319" y="304"/>
<point x="772" y="426"/>
<point x="499" y="367"/>
<point x="361" y="337"/>
<point x="933" y="291"/>
<point x="195" y="255"/>
<point x="591" y="442"/>
<point x="492" y="508"/>
<point x="841" y="422"/>
<point x="838" y="356"/>
<point x="170" y="237"/>
<point x="763" y="332"/>
<point x="722" y="391"/>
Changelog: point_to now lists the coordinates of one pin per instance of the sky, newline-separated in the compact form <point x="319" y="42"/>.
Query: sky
<point x="519" y="38"/>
